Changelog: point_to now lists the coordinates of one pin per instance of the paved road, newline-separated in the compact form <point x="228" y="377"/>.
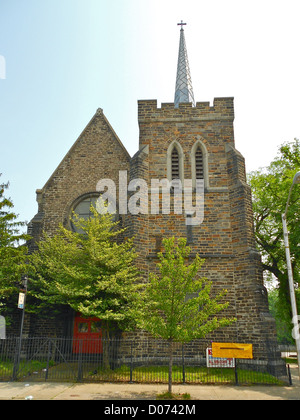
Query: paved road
<point x="115" y="391"/>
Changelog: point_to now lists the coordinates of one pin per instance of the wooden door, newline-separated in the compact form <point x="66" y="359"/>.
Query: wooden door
<point x="87" y="336"/>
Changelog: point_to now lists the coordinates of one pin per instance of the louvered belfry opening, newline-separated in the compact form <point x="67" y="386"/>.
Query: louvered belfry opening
<point x="199" y="164"/>
<point x="175" y="164"/>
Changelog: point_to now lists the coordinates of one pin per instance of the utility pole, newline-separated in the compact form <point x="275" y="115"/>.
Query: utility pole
<point x="296" y="332"/>
<point x="21" y="305"/>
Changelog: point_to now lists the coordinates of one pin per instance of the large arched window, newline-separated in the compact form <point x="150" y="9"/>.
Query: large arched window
<point x="82" y="208"/>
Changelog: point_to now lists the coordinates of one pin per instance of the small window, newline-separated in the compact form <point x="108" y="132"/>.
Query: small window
<point x="83" y="327"/>
<point x="189" y="231"/>
<point x="158" y="243"/>
<point x="96" y="326"/>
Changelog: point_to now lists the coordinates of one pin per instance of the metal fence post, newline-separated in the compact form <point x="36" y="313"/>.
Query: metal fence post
<point x="183" y="366"/>
<point x="48" y="359"/>
<point x="17" y="358"/>
<point x="131" y="363"/>
<point x="79" y="375"/>
<point x="289" y="374"/>
<point x="236" y="373"/>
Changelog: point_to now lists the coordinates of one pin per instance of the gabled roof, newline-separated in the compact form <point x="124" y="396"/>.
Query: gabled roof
<point x="98" y="113"/>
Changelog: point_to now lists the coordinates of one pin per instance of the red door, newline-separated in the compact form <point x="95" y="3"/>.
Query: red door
<point x="87" y="337"/>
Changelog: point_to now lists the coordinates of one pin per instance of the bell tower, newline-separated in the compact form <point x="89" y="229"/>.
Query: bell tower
<point x="191" y="140"/>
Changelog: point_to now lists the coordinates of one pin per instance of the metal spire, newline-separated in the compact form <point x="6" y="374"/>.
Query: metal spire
<point x="184" y="88"/>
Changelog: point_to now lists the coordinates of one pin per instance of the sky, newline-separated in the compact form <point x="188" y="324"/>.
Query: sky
<point x="61" y="60"/>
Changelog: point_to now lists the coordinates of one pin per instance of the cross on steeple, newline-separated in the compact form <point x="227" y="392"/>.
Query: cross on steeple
<point x="181" y="24"/>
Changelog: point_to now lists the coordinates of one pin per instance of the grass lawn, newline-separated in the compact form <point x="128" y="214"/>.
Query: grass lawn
<point x="25" y="368"/>
<point x="35" y="370"/>
<point x="193" y="375"/>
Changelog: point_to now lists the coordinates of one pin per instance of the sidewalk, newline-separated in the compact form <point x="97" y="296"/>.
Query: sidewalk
<point x="117" y="391"/>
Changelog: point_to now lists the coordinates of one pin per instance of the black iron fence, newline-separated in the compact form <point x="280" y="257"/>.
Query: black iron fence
<point x="124" y="360"/>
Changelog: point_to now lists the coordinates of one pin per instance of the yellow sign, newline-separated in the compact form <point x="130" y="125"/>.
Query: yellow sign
<point x="236" y="350"/>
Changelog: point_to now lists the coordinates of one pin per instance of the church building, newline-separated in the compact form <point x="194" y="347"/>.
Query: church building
<point x="184" y="140"/>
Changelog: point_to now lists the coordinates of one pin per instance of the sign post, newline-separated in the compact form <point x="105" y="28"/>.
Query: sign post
<point x="21" y="305"/>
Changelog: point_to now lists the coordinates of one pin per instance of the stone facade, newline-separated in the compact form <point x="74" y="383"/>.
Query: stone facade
<point x="225" y="238"/>
<point x="97" y="154"/>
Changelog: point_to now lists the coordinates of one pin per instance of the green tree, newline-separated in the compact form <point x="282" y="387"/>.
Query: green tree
<point x="92" y="272"/>
<point x="178" y="305"/>
<point x="270" y="189"/>
<point x="283" y="333"/>
<point x="13" y="250"/>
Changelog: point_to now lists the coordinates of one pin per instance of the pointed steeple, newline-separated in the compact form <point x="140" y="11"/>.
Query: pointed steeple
<point x="184" y="89"/>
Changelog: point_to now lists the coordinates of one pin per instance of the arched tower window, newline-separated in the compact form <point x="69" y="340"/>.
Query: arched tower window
<point x="199" y="162"/>
<point x="175" y="162"/>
